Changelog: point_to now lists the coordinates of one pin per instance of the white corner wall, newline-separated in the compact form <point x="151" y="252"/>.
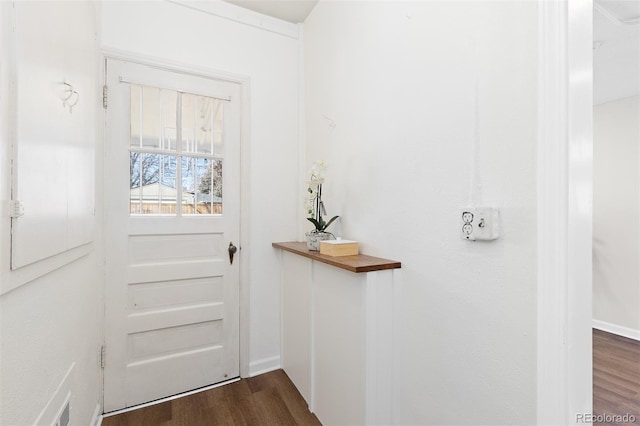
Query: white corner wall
<point x="389" y="97"/>
<point x="616" y="216"/>
<point x="50" y="311"/>
<point x="268" y="55"/>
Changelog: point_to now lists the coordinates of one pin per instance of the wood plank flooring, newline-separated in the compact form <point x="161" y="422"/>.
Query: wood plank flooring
<point x="616" y="378"/>
<point x="272" y="399"/>
<point x="267" y="399"/>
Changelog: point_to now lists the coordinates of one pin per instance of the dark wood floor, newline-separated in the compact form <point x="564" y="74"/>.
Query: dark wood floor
<point x="271" y="399"/>
<point x="268" y="399"/>
<point x="616" y="378"/>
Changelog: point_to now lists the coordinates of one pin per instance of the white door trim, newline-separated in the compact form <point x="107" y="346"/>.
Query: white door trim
<point x="244" y="82"/>
<point x="565" y="181"/>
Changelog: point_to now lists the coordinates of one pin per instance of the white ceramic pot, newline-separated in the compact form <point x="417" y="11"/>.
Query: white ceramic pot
<point x="314" y="238"/>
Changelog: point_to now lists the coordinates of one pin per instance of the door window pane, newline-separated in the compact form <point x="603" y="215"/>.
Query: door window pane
<point x="135" y="115"/>
<point x="189" y="122"/>
<point x="201" y="124"/>
<point x="169" y="106"/>
<point x="153" y="117"/>
<point x="152" y="183"/>
<point x="202" y="185"/>
<point x="218" y="127"/>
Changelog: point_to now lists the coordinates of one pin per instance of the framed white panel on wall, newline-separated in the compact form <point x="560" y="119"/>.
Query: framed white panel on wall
<point x="54" y="99"/>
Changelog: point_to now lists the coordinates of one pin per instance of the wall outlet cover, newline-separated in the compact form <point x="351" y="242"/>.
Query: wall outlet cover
<point x="479" y="223"/>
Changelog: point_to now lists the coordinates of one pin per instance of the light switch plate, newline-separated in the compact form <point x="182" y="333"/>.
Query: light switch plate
<point x="479" y="223"/>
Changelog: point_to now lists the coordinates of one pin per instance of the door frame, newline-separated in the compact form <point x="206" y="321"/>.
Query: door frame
<point x="565" y="183"/>
<point x="244" y="82"/>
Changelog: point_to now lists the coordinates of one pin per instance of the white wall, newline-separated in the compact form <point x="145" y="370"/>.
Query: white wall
<point x="398" y="79"/>
<point x="616" y="215"/>
<point x="183" y="35"/>
<point x="50" y="311"/>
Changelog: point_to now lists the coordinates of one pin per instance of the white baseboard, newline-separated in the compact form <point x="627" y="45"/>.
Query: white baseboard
<point x="617" y="329"/>
<point x="96" y="420"/>
<point x="61" y="396"/>
<point x="264" y="365"/>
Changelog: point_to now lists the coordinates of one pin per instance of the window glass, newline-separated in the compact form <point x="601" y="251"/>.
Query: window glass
<point x="153" y="179"/>
<point x="153" y="117"/>
<point x="189" y="184"/>
<point x="202" y="180"/>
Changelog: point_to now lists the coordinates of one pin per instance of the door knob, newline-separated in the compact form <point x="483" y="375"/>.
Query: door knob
<point x="232" y="250"/>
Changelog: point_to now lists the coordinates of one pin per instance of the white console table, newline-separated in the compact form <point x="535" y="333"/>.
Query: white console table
<point x="337" y="333"/>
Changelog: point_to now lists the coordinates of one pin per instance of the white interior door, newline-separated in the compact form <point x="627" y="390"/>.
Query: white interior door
<point x="172" y="209"/>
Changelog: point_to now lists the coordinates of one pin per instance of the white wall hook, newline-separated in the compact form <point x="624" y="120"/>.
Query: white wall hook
<point x="70" y="97"/>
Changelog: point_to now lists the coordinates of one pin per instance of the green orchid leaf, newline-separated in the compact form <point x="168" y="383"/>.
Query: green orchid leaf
<point x="330" y="221"/>
<point x="316" y="223"/>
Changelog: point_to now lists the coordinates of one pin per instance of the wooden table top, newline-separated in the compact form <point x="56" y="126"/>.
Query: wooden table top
<point x="357" y="263"/>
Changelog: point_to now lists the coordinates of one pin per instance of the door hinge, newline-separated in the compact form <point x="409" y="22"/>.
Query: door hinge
<point x="105" y="96"/>
<point x="103" y="354"/>
<point x="16" y="208"/>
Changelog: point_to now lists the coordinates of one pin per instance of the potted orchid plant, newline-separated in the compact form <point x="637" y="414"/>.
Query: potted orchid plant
<point x="315" y="207"/>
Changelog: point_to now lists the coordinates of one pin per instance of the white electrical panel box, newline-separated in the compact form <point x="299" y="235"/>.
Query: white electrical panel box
<point x="479" y="223"/>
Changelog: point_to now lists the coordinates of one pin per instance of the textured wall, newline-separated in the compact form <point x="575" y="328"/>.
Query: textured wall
<point x="616" y="212"/>
<point x="50" y="311"/>
<point x="389" y="105"/>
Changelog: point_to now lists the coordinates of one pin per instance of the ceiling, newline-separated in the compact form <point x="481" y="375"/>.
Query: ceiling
<point x="616" y="54"/>
<point x="295" y="11"/>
